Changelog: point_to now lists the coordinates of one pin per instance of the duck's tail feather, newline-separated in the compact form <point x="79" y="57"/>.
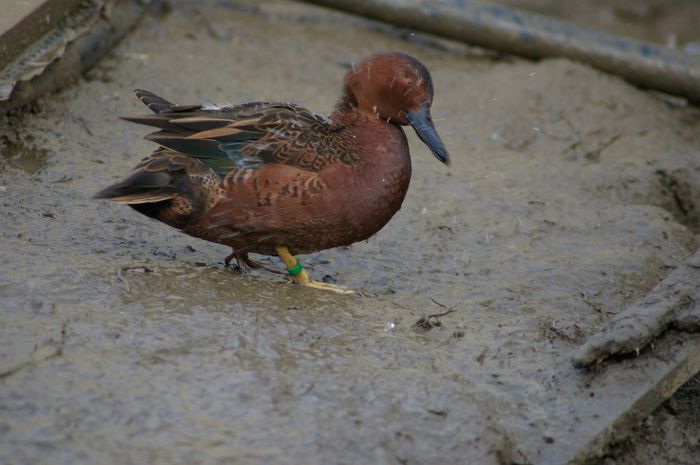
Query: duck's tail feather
<point x="171" y="188"/>
<point x="140" y="187"/>
<point x="134" y="198"/>
<point x="153" y="102"/>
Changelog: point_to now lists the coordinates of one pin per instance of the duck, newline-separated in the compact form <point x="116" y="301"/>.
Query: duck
<point x="277" y="179"/>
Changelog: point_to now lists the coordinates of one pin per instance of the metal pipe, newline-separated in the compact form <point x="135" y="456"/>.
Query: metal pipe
<point x="534" y="36"/>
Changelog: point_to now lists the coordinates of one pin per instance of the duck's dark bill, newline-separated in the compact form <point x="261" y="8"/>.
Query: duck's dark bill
<point x="423" y="124"/>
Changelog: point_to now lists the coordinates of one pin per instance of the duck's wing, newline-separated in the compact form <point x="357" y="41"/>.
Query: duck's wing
<point x="251" y="135"/>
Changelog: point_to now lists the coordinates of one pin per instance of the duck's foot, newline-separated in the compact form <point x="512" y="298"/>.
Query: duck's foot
<point x="299" y="274"/>
<point x="323" y="286"/>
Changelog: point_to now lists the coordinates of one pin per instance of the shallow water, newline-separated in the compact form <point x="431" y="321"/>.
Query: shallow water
<point x="552" y="217"/>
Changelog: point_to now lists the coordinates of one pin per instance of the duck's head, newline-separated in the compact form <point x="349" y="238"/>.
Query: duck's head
<point x="397" y="88"/>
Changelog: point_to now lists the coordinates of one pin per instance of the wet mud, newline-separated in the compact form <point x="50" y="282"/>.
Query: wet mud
<point x="571" y="194"/>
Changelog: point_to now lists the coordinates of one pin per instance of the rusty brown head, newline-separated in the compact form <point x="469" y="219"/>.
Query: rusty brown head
<point x="398" y="88"/>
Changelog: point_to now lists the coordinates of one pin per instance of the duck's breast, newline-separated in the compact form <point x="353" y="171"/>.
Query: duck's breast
<point x="306" y="211"/>
<point x="363" y="197"/>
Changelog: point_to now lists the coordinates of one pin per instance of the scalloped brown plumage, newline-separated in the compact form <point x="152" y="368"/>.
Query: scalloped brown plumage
<point x="274" y="178"/>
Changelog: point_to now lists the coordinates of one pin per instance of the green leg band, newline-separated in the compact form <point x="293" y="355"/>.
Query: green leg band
<point x="296" y="271"/>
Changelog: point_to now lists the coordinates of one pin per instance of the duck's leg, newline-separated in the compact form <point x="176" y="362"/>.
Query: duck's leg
<point x="299" y="274"/>
<point x="241" y="262"/>
<point x="231" y="256"/>
<point x="245" y="263"/>
<point x="254" y="264"/>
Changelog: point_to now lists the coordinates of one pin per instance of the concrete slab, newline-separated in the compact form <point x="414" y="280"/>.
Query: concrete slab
<point x="62" y="47"/>
<point x="23" y="22"/>
<point x="127" y="342"/>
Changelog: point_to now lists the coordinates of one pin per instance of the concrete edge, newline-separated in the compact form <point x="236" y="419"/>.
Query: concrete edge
<point x="39" y="18"/>
<point x="113" y="20"/>
<point x="621" y="427"/>
<point x="636" y="327"/>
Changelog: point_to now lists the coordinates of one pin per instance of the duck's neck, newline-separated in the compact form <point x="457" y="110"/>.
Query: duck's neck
<point x="382" y="142"/>
<point x="346" y="104"/>
<point x="347" y="113"/>
<point x="380" y="176"/>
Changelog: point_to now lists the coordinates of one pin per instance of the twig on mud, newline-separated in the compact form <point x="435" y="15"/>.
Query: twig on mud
<point x="121" y="274"/>
<point x="447" y="311"/>
<point x="426" y="323"/>
<point x="141" y="268"/>
<point x="594" y="155"/>
<point x="40" y="353"/>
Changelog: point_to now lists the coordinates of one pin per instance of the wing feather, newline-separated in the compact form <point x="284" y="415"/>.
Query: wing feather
<point x="225" y="138"/>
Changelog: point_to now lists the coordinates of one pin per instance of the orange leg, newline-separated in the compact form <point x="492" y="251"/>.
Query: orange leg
<point x="299" y="274"/>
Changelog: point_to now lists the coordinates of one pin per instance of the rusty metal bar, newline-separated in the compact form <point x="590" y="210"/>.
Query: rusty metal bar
<point x="534" y="36"/>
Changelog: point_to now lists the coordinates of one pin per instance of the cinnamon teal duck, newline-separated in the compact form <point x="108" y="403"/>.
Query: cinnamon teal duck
<point x="277" y="179"/>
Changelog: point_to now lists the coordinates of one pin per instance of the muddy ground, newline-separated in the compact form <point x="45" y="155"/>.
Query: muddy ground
<point x="671" y="435"/>
<point x="571" y="194"/>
